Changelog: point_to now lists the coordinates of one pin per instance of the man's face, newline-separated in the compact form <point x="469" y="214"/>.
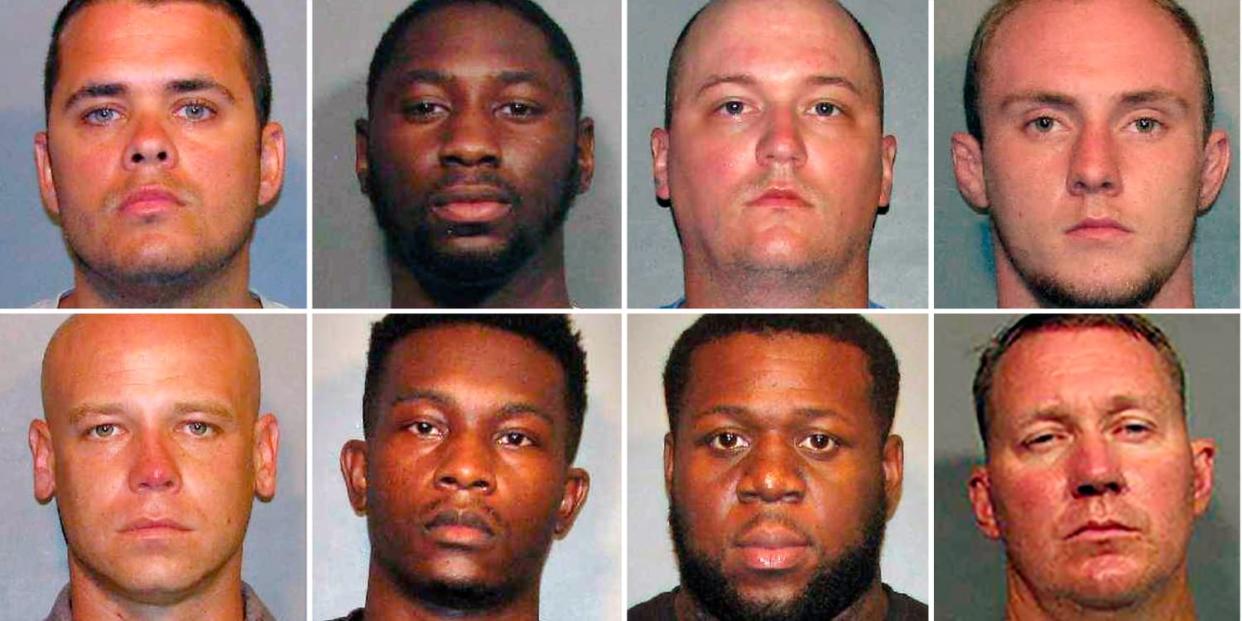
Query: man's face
<point x="1091" y="481"/>
<point x="473" y="152"/>
<point x="779" y="480"/>
<point x="153" y="449"/>
<point x="152" y="161"/>
<point x="465" y="479"/>
<point x="1093" y="172"/>
<point x="775" y="159"/>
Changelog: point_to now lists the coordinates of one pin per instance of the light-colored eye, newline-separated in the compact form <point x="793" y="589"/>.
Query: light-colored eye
<point x="1043" y="124"/>
<point x="733" y="107"/>
<point x="102" y="116"/>
<point x="1146" y="125"/>
<point x="195" y="111"/>
<point x="103" y="430"/>
<point x="199" y="429"/>
<point x="824" y="108"/>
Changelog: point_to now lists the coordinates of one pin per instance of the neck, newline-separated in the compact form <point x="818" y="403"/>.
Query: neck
<point x="215" y="597"/>
<point x="1013" y="292"/>
<point x="872" y="605"/>
<point x="388" y="601"/>
<point x="538" y="283"/>
<point x="1172" y="601"/>
<point x="226" y="288"/>
<point x="712" y="285"/>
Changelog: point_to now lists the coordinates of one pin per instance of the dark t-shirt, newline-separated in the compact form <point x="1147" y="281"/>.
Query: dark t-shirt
<point x="901" y="607"/>
<point x="353" y="616"/>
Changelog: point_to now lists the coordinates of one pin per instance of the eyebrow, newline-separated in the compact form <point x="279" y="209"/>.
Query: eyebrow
<point x="1056" y="100"/>
<point x="507" y="411"/>
<point x="440" y="78"/>
<point x="1154" y="96"/>
<point x="180" y="408"/>
<point x="746" y="79"/>
<point x="745" y="412"/>
<point x="1129" y="99"/>
<point x="180" y="86"/>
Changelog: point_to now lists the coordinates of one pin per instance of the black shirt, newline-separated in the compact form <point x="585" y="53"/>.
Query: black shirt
<point x="901" y="607"/>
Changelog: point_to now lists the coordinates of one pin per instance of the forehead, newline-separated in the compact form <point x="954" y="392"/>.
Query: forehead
<point x="1078" y="366"/>
<point x="476" y="365"/>
<point x="779" y="374"/>
<point x="1103" y="47"/>
<point x="477" y="40"/>
<point x="776" y="41"/>
<point x="122" y="41"/>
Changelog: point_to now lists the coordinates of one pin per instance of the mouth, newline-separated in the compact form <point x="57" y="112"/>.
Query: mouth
<point x="154" y="527"/>
<point x="460" y="529"/>
<point x="471" y="204"/>
<point x="149" y="201"/>
<point x="773" y="547"/>
<point x="1098" y="229"/>
<point x="779" y="198"/>
<point x="1101" y="530"/>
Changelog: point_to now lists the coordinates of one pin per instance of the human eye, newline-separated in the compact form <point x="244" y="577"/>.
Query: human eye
<point x="727" y="441"/>
<point x="520" y="110"/>
<point x="1146" y="125"/>
<point x="196" y="111"/>
<point x="102" y="115"/>
<point x="425" y="429"/>
<point x="515" y="439"/>
<point x="819" y="443"/>
<point x="1135" y="429"/>
<point x="825" y="109"/>
<point x="424" y="110"/>
<point x="733" y="108"/>
<point x="1041" y="440"/>
<point x="199" y="429"/>
<point x="1043" y="124"/>
<point x="103" y="431"/>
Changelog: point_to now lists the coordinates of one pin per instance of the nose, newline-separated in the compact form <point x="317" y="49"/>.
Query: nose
<point x="466" y="465"/>
<point x="150" y="144"/>
<point x="1094" y="468"/>
<point x="155" y="467"/>
<point x="469" y="139"/>
<point x="782" y="141"/>
<point x="1094" y="167"/>
<point x="772" y="473"/>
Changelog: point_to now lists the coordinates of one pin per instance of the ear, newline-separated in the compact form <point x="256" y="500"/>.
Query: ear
<point x="362" y="166"/>
<point x="354" y="470"/>
<point x="981" y="502"/>
<point x="43" y="459"/>
<point x="586" y="154"/>
<point x="669" y="450"/>
<point x="577" y="485"/>
<point x="894" y="472"/>
<point x="271" y="164"/>
<point x="659" y="165"/>
<point x="47" y="185"/>
<point x="968" y="168"/>
<point x="888" y="156"/>
<point x="1215" y="168"/>
<point x="266" y="450"/>
<point x="1203" y="454"/>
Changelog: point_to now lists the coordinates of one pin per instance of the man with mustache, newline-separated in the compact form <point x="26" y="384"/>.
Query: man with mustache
<point x="1091" y="479"/>
<point x="472" y="152"/>
<point x="158" y="155"/>
<point x="772" y="155"/>
<point x="781" y="471"/>
<point x="153" y="447"/>
<point x="471" y="425"/>
<point x="1093" y="175"/>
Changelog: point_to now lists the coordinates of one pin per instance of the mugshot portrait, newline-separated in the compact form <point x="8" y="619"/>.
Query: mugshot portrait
<point x="653" y="567"/>
<point x="973" y="566"/>
<point x="1137" y="185"/>
<point x="33" y="564"/>
<point x="898" y="260"/>
<point x="33" y="253"/>
<point x="351" y="259"/>
<point x="583" y="573"/>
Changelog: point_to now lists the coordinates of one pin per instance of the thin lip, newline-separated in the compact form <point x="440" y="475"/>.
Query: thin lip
<point x="779" y="194"/>
<point x="468" y="518"/>
<point x="1091" y="526"/>
<point x="150" y="193"/>
<point x="1090" y="224"/>
<point x="772" y="536"/>
<point x="146" y="524"/>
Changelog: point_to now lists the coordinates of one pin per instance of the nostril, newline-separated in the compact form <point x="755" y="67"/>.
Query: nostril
<point x="135" y="158"/>
<point x="163" y="156"/>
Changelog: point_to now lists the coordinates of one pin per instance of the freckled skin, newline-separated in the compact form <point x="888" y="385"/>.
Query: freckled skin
<point x="153" y="417"/>
<point x="771" y="466"/>
<point x="1115" y="449"/>
<point x="204" y="147"/>
<point x="456" y="450"/>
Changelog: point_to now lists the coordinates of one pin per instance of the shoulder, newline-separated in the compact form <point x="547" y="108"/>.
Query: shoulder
<point x="658" y="608"/>
<point x="902" y="607"/>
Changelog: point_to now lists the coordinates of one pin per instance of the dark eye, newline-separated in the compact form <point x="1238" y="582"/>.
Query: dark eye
<point x="101" y="116"/>
<point x="819" y="442"/>
<point x="824" y="108"/>
<point x="515" y="438"/>
<point x="727" y="441"/>
<point x="424" y="429"/>
<point x="519" y="109"/>
<point x="732" y="108"/>
<point x="424" y="110"/>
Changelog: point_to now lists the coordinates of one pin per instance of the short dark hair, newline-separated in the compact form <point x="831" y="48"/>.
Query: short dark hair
<point x="849" y="329"/>
<point x="552" y="333"/>
<point x="674" y="63"/>
<point x="1136" y="326"/>
<point x="991" y="22"/>
<point x="257" y="71"/>
<point x="558" y="43"/>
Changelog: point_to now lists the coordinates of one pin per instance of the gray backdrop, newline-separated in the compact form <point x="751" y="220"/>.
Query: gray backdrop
<point x="899" y="247"/>
<point x="33" y="565"/>
<point x="350" y="268"/>
<point x="582" y="579"/>
<point x="972" y="566"/>
<point x="33" y="259"/>
<point x="652" y="567"/>
<point x="965" y="273"/>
